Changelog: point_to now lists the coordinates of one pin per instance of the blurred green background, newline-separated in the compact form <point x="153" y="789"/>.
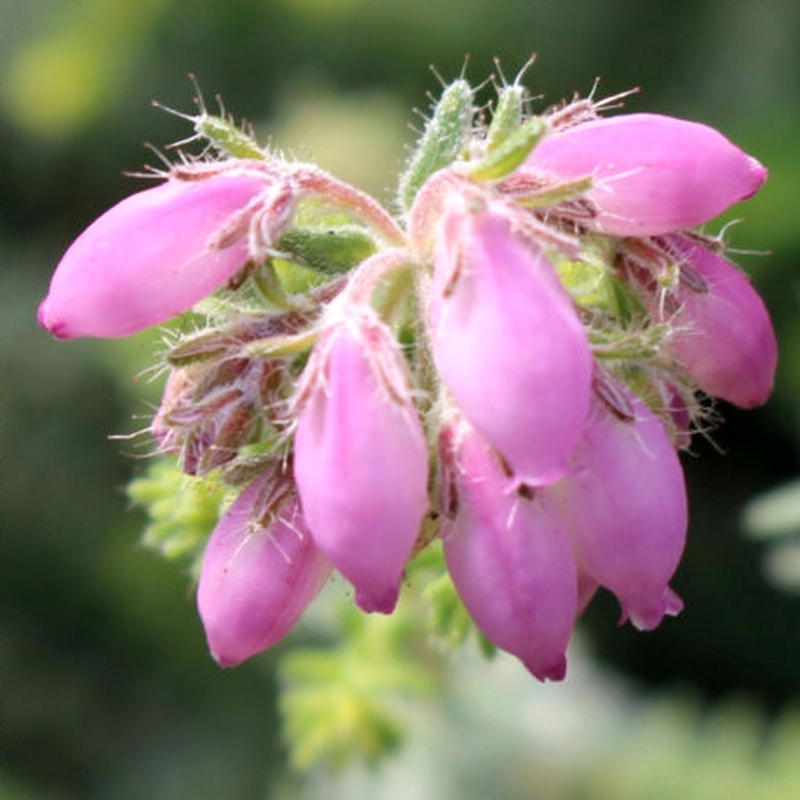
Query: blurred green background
<point x="108" y="689"/>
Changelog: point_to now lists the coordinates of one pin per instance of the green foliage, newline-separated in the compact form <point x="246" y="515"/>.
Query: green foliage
<point x="182" y="510"/>
<point x="681" y="752"/>
<point x="345" y="703"/>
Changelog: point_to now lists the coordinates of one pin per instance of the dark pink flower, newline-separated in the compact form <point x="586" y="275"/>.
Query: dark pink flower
<point x="624" y="505"/>
<point x="722" y="336"/>
<point x="360" y="456"/>
<point x="509" y="556"/>
<point x="154" y="255"/>
<point x="651" y="174"/>
<point x="508" y="342"/>
<point x="256" y="581"/>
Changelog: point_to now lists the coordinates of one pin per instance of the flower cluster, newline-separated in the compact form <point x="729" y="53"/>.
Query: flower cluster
<point x="508" y="366"/>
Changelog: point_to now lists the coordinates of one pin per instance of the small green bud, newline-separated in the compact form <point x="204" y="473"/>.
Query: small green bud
<point x="445" y="138"/>
<point x="226" y="136"/>
<point x="332" y="251"/>
<point x="507" y="116"/>
<point x="508" y="154"/>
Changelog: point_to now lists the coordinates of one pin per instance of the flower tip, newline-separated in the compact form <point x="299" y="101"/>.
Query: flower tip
<point x="555" y="670"/>
<point x="758" y="175"/>
<point x="647" y="617"/>
<point x="224" y="661"/>
<point x="46" y="320"/>
<point x="383" y="603"/>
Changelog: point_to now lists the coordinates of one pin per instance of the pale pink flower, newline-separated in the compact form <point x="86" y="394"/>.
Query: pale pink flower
<point x="624" y="505"/>
<point x="651" y="174"/>
<point x="722" y="334"/>
<point x="508" y="342"/>
<point x="256" y="581"/>
<point x="156" y="254"/>
<point x="508" y="555"/>
<point x="360" y="456"/>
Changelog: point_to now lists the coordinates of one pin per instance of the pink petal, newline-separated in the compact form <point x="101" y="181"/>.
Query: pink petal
<point x="626" y="510"/>
<point x="509" y="558"/>
<point x="255" y="582"/>
<point x="723" y="336"/>
<point x="653" y="174"/>
<point x="149" y="258"/>
<point x="360" y="459"/>
<point x="509" y="344"/>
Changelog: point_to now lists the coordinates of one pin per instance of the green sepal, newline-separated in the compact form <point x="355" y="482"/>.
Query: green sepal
<point x="558" y="193"/>
<point x="226" y="136"/>
<point x="443" y="141"/>
<point x="330" y="250"/>
<point x="507" y="155"/>
<point x="507" y="116"/>
<point x="279" y="346"/>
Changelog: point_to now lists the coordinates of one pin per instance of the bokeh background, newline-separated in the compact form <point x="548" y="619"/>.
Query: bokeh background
<point x="108" y="691"/>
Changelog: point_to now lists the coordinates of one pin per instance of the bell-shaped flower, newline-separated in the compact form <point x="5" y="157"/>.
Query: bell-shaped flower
<point x="508" y="555"/>
<point x="651" y="174"/>
<point x="722" y="334"/>
<point x="508" y="342"/>
<point x="360" y="456"/>
<point x="255" y="580"/>
<point x="153" y="255"/>
<point x="624" y="504"/>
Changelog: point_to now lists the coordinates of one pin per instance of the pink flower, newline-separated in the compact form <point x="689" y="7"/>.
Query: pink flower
<point x="360" y="456"/>
<point x="509" y="556"/>
<point x="508" y="343"/>
<point x="652" y="174"/>
<point x="256" y="581"/>
<point x="154" y="255"/>
<point x="723" y="336"/>
<point x="624" y="505"/>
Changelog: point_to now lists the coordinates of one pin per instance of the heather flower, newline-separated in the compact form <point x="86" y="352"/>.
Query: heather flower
<point x="508" y="342"/>
<point x="256" y="577"/>
<point x="158" y="252"/>
<point x="508" y="555"/>
<point x="528" y="251"/>
<point x="360" y="456"/>
<point x="722" y="334"/>
<point x="651" y="174"/>
<point x="624" y="505"/>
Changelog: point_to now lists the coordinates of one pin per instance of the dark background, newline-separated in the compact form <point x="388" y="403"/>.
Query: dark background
<point x="108" y="691"/>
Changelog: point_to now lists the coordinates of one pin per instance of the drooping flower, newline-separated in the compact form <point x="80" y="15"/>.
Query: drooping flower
<point x="624" y="505"/>
<point x="508" y="554"/>
<point x="256" y="580"/>
<point x="360" y="456"/>
<point x="157" y="253"/>
<point x="651" y="174"/>
<point x="722" y="334"/>
<point x="508" y="342"/>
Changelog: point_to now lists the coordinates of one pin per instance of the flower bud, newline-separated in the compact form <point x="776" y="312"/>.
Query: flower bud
<point x="508" y="343"/>
<point x="150" y="257"/>
<point x="651" y="174"/>
<point x="624" y="504"/>
<point x="509" y="557"/>
<point x="255" y="580"/>
<point x="360" y="456"/>
<point x="723" y="336"/>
